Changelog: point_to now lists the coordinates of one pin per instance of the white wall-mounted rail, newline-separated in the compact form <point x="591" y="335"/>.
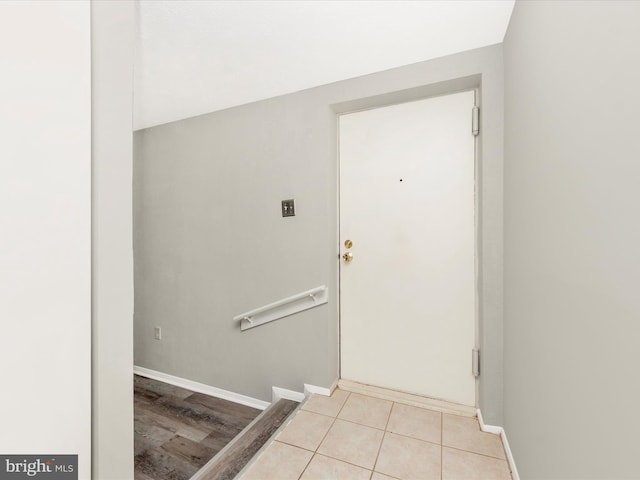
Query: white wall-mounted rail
<point x="283" y="308"/>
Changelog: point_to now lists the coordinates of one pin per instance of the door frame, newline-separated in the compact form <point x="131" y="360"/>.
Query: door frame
<point x="397" y="98"/>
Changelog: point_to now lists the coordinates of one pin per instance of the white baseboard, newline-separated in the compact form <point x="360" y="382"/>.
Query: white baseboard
<point x="201" y="388"/>
<point x="503" y="435"/>
<point x="311" y="389"/>
<point x="277" y="393"/>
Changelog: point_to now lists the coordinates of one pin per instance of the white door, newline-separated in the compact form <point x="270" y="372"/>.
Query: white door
<point x="407" y="204"/>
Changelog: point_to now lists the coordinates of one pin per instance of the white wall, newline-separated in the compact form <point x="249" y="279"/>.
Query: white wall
<point x="112" y="29"/>
<point x="572" y="239"/>
<point x="208" y="56"/>
<point x="45" y="221"/>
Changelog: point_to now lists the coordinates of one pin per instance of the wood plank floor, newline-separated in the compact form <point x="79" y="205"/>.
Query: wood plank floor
<point x="177" y="431"/>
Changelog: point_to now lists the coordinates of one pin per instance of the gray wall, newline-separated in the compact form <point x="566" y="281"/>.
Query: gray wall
<point x="112" y="35"/>
<point x="210" y="243"/>
<point x="572" y="238"/>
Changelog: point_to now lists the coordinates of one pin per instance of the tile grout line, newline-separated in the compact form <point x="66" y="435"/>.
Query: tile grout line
<point x="471" y="451"/>
<point x="343" y="404"/>
<point x="385" y="430"/>
<point x="380" y="429"/>
<point x="344" y="461"/>
<point x="373" y="469"/>
<point x="475" y="453"/>
<point x="306" y="466"/>
<point x="315" y="452"/>
<point x="386" y="425"/>
<point x="353" y="423"/>
<point x="362" y="425"/>
<point x="395" y="433"/>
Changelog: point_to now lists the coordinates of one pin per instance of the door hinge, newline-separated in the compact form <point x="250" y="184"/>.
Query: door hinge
<point x="475" y="121"/>
<point x="475" y="362"/>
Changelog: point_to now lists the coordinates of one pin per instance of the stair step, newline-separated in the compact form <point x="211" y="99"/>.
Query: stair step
<point x="231" y="459"/>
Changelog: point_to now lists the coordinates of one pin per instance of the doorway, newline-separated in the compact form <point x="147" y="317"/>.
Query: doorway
<point x="407" y="232"/>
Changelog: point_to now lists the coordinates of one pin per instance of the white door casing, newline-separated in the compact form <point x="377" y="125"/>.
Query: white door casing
<point x="407" y="202"/>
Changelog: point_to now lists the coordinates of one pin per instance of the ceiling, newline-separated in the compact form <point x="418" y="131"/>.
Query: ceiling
<point x="195" y="57"/>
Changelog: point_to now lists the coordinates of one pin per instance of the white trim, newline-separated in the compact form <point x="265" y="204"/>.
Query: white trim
<point x="503" y="435"/>
<point x="488" y="428"/>
<point x="277" y="393"/>
<point x="512" y="462"/>
<point x="311" y="389"/>
<point x="201" y="388"/>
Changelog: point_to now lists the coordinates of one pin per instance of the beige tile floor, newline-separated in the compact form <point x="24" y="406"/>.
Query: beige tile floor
<point x="353" y="436"/>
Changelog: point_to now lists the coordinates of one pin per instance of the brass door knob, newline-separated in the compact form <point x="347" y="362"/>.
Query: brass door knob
<point x="347" y="257"/>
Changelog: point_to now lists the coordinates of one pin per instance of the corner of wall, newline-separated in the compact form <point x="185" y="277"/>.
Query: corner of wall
<point x="112" y="40"/>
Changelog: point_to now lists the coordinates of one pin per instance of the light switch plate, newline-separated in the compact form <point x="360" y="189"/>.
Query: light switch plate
<point x="288" y="208"/>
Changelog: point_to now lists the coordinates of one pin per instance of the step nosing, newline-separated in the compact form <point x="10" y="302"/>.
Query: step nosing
<point x="239" y="452"/>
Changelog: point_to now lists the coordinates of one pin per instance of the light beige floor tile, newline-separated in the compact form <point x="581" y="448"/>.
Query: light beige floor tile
<point x="279" y="461"/>
<point x="416" y="422"/>
<point x="369" y="411"/>
<point x="459" y="465"/>
<point x="326" y="405"/>
<point x="352" y="443"/>
<point x="380" y="476"/>
<point x="306" y="430"/>
<point x="408" y="459"/>
<point x="464" y="433"/>
<point x="325" y="468"/>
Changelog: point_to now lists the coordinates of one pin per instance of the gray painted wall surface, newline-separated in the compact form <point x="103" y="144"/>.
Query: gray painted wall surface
<point x="112" y="37"/>
<point x="572" y="237"/>
<point x="210" y="243"/>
